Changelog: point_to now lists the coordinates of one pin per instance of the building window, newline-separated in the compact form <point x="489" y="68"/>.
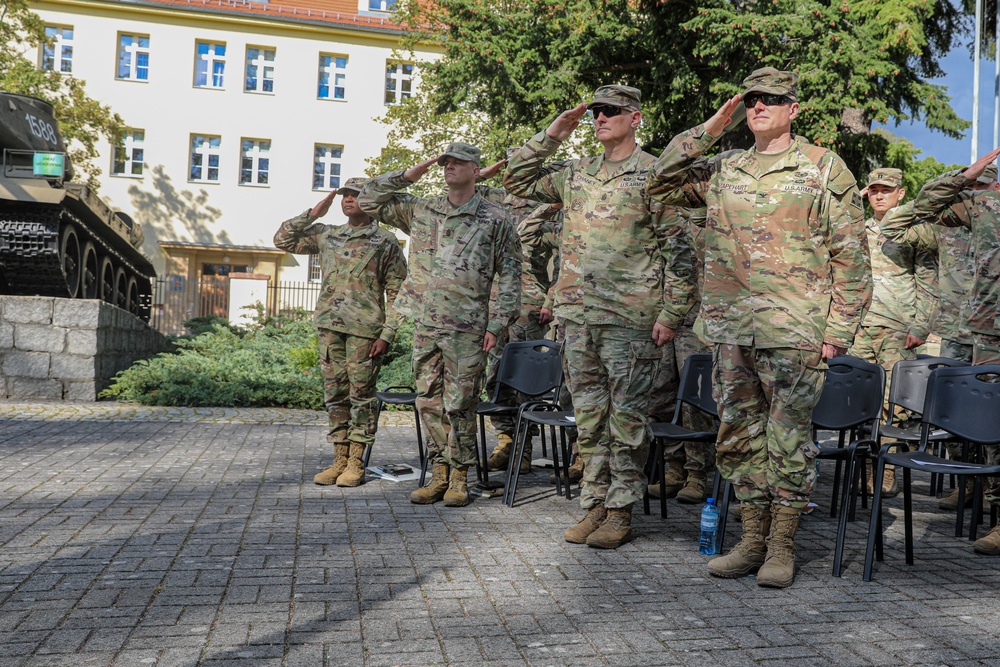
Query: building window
<point x="128" y="158"/>
<point x="209" y="65"/>
<point x="254" y="161"/>
<point x="332" y="76"/>
<point x="326" y="167"/>
<point x="377" y="5"/>
<point x="315" y="270"/>
<point x="260" y="70"/>
<point x="206" y="151"/>
<point x="57" y="53"/>
<point x="398" y="81"/>
<point x="133" y="57"/>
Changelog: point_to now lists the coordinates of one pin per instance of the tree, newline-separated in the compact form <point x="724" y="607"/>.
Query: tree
<point x="509" y="66"/>
<point x="82" y="120"/>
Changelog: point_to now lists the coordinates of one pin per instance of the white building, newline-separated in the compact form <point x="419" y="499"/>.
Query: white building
<point x="242" y="115"/>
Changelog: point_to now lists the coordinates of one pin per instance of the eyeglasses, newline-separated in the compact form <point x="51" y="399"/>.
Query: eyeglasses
<point x="750" y="101"/>
<point x="608" y="111"/>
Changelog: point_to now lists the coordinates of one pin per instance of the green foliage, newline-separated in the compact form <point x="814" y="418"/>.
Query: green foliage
<point x="83" y="121"/>
<point x="509" y="67"/>
<point x="904" y="155"/>
<point x="272" y="362"/>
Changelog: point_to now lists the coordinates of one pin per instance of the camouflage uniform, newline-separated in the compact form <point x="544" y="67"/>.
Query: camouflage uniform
<point x="359" y="265"/>
<point x="455" y="253"/>
<point x="904" y="287"/>
<point x="698" y="457"/>
<point x="527" y="326"/>
<point x="614" y="255"/>
<point x="786" y="269"/>
<point x="948" y="201"/>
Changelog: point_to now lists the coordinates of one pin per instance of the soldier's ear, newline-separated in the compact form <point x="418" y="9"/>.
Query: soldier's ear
<point x="794" y="111"/>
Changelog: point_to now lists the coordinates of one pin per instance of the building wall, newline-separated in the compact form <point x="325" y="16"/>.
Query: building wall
<point x="169" y="108"/>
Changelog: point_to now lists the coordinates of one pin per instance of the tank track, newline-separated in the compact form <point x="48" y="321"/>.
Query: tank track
<point x="30" y="253"/>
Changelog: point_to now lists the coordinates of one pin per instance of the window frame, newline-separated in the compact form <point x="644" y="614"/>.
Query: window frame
<point x="255" y="163"/>
<point x="327" y="175"/>
<point x="333" y="72"/>
<point x="133" y="65"/>
<point x="130" y="144"/>
<point x="58" y="49"/>
<point x="398" y="81"/>
<point x="211" y="62"/>
<point x="207" y="155"/>
<point x="261" y="77"/>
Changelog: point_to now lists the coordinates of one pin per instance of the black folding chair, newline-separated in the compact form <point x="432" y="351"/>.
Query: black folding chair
<point x="965" y="402"/>
<point x="907" y="390"/>
<point x="544" y="414"/>
<point x="695" y="390"/>
<point x="401" y="395"/>
<point x="532" y="368"/>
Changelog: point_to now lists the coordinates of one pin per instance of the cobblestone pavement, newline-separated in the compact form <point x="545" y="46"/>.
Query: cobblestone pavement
<point x="142" y="536"/>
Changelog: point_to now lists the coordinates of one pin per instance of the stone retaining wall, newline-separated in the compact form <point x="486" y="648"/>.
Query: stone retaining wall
<point x="67" y="349"/>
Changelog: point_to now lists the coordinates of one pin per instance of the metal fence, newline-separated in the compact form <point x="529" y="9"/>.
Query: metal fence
<point x="177" y="300"/>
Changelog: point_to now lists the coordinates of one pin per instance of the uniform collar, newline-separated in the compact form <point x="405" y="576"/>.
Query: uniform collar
<point x="748" y="162"/>
<point x="631" y="164"/>
<point x="444" y="207"/>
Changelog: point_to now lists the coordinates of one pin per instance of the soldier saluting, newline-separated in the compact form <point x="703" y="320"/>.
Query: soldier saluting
<point x="786" y="276"/>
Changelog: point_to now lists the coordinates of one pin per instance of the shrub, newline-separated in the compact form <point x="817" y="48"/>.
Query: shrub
<point x="272" y="362"/>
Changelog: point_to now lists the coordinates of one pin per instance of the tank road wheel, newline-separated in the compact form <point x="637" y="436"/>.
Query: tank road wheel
<point x="132" y="297"/>
<point x="88" y="272"/>
<point x="106" y="284"/>
<point x="69" y="251"/>
<point x="121" y="289"/>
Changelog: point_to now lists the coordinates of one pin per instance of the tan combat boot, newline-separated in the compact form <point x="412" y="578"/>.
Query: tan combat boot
<point x="355" y="473"/>
<point x="676" y="475"/>
<point x="526" y="458"/>
<point x="615" y="531"/>
<point x="501" y="453"/>
<point x="579" y="533"/>
<point x="693" y="492"/>
<point x="778" y="570"/>
<point x="749" y="554"/>
<point x="434" y="491"/>
<point x="457" y="494"/>
<point x="950" y="502"/>
<point x="330" y="475"/>
<point x="988" y="544"/>
<point x="575" y="472"/>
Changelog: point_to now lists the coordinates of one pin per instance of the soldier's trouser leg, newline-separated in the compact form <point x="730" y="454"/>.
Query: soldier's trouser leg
<point x="882" y="346"/>
<point x="565" y="395"/>
<point x="349" y="378"/>
<point x="766" y="398"/>
<point x="611" y="371"/>
<point x="954" y="349"/>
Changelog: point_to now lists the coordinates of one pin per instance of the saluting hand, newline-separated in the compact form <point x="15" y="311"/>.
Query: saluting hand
<point x="320" y="209"/>
<point x="492" y="170"/>
<point x="716" y="125"/>
<point x="976" y="169"/>
<point x="566" y="122"/>
<point x="414" y="173"/>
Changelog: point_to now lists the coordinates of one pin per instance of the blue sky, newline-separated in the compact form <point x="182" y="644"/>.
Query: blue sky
<point x="957" y="66"/>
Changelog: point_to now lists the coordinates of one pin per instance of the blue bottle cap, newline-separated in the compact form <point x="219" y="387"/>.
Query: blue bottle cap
<point x="710" y="500"/>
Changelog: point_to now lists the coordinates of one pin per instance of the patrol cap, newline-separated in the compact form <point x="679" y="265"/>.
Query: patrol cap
<point x="989" y="174"/>
<point x="772" y="81"/>
<point x="461" y="151"/>
<point x="886" y="176"/>
<point x="625" y="97"/>
<point x="352" y="185"/>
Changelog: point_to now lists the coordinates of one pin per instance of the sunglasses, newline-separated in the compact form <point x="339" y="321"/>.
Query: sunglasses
<point x="750" y="101"/>
<point x="608" y="111"/>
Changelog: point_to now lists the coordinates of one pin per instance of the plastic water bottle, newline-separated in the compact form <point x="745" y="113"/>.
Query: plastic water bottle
<point x="709" y="528"/>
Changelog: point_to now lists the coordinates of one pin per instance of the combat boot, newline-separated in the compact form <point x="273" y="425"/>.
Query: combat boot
<point x="615" y="531"/>
<point x="694" y="489"/>
<point x="749" y="554"/>
<point x="988" y="544"/>
<point x="778" y="570"/>
<point x="950" y="502"/>
<point x="501" y="453"/>
<point x="675" y="478"/>
<point x="354" y="475"/>
<point x="575" y="472"/>
<point x="526" y="457"/>
<point x="457" y="494"/>
<point x="434" y="491"/>
<point x="579" y="533"/>
<point x="331" y="473"/>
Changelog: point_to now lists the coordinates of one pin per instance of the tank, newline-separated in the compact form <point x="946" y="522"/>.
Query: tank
<point x="57" y="238"/>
